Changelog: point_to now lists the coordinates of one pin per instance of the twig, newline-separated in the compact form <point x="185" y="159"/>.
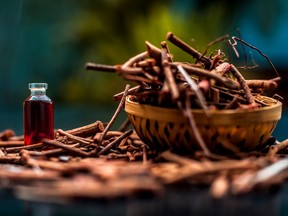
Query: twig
<point x="114" y="142"/>
<point x="66" y="147"/>
<point x="243" y="48"/>
<point x="274" y="149"/>
<point x="10" y="143"/>
<point x="141" y="80"/>
<point x="119" y="108"/>
<point x="227" y="92"/>
<point x="28" y="147"/>
<point x="185" y="47"/>
<point x="184" y="161"/>
<point x="232" y="104"/>
<point x="100" y="67"/>
<point x="10" y="160"/>
<point x="243" y="83"/>
<point x="187" y="112"/>
<point x="75" y="138"/>
<point x="108" y="135"/>
<point x="233" y="45"/>
<point x="263" y="84"/>
<point x="124" y="71"/>
<point x="132" y="90"/>
<point x="247" y="181"/>
<point x="194" y="88"/>
<point x="134" y="59"/>
<point x="145" y="63"/>
<point x="206" y="73"/>
<point x="164" y="45"/>
<point x="153" y="51"/>
<point x="217" y="40"/>
<point x="171" y="81"/>
<point x="216" y="59"/>
<point x="191" y="168"/>
<point x="259" y="51"/>
<point x="87" y="130"/>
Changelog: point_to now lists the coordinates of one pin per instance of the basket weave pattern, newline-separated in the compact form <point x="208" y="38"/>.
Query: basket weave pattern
<point x="163" y="135"/>
<point x="163" y="128"/>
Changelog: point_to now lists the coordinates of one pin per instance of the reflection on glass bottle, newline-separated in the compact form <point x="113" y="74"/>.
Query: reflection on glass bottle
<point x="38" y="113"/>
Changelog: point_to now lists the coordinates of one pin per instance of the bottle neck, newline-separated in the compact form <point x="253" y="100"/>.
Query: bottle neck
<point x="38" y="92"/>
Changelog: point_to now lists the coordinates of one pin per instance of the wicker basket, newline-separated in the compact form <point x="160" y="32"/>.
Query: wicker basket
<point x="163" y="128"/>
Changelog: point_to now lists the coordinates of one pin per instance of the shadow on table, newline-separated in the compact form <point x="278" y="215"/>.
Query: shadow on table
<point x="175" y="202"/>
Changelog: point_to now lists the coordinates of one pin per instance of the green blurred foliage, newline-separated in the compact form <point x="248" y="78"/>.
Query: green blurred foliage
<point x="110" y="32"/>
<point x="50" y="41"/>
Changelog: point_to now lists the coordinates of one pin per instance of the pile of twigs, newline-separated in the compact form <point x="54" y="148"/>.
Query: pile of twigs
<point x="68" y="168"/>
<point x="209" y="83"/>
<point x="93" y="161"/>
<point x="86" y="162"/>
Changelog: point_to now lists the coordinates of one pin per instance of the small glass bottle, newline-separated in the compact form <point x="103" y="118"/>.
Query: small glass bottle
<point x="38" y="114"/>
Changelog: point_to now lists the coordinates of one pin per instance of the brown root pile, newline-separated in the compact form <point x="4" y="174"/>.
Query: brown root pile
<point x="94" y="161"/>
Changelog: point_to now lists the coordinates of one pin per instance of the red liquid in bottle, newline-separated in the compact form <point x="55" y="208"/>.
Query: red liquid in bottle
<point x="38" y="112"/>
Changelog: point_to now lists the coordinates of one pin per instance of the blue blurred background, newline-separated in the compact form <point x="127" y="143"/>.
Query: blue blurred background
<point x="50" y="41"/>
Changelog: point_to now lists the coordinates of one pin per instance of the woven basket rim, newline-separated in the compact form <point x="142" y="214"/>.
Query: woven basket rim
<point x="214" y="117"/>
